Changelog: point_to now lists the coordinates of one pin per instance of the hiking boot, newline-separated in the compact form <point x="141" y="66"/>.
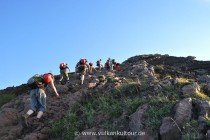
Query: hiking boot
<point x="24" y="121"/>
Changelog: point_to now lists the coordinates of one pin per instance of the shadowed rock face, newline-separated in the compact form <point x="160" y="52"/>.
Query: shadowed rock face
<point x="173" y="65"/>
<point x="191" y="89"/>
<point x="137" y="119"/>
<point x="183" y="112"/>
<point x="179" y="62"/>
<point x="169" y="130"/>
<point x="137" y="68"/>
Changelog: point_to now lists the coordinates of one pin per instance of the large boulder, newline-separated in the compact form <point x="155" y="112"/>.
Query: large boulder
<point x="202" y="107"/>
<point x="191" y="89"/>
<point x="183" y="111"/>
<point x="169" y="130"/>
<point x="135" y="124"/>
<point x="204" y="79"/>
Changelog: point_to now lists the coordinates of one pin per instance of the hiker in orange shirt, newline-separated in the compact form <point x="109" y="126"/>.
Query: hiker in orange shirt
<point x="37" y="85"/>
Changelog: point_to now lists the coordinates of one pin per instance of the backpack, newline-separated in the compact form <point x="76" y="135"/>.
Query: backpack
<point x="34" y="81"/>
<point x="83" y="61"/>
<point x="107" y="64"/>
<point x="98" y="63"/>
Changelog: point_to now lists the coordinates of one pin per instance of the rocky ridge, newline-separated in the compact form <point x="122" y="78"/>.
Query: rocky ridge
<point x="164" y="96"/>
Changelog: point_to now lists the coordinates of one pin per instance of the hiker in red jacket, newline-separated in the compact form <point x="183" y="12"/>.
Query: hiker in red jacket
<point x="64" y="70"/>
<point x="82" y="67"/>
<point x="37" y="85"/>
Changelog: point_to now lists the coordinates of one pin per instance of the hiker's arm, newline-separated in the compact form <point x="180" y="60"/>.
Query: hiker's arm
<point x="68" y="68"/>
<point x="54" y="88"/>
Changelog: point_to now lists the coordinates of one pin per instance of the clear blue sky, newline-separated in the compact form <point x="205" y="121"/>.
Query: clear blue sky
<point x="36" y="35"/>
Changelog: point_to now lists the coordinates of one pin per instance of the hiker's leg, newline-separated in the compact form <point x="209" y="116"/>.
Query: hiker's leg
<point x="33" y="97"/>
<point x="82" y="79"/>
<point x="61" y="75"/>
<point x="66" y="74"/>
<point x="34" y="101"/>
<point x="42" y="103"/>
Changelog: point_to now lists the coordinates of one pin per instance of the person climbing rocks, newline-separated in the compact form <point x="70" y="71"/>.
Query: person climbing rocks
<point x="82" y="67"/>
<point x="92" y="70"/>
<point x="113" y="63"/>
<point x="64" y="70"/>
<point x="108" y="64"/>
<point x="99" y="64"/>
<point x="37" y="85"/>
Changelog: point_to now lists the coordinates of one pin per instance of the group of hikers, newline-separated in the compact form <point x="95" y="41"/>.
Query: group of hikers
<point x="38" y="83"/>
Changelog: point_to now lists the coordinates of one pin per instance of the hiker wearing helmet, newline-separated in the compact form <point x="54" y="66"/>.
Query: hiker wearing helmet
<point x="92" y="70"/>
<point x="37" y="85"/>
<point x="99" y="64"/>
<point x="82" y="67"/>
<point x="64" y="70"/>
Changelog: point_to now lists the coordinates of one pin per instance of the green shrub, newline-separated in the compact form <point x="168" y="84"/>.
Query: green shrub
<point x="161" y="106"/>
<point x="5" y="98"/>
<point x="131" y="89"/>
<point x="66" y="127"/>
<point x="132" y="104"/>
<point x="111" y="80"/>
<point x="155" y="114"/>
<point x="191" y="131"/>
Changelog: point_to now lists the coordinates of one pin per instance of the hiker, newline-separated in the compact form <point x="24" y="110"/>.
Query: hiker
<point x="37" y="85"/>
<point x="99" y="64"/>
<point x="92" y="70"/>
<point x="82" y="67"/>
<point x="112" y="64"/>
<point x="108" y="64"/>
<point x="64" y="70"/>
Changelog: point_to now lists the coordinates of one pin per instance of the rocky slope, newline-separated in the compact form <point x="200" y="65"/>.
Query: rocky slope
<point x="159" y="96"/>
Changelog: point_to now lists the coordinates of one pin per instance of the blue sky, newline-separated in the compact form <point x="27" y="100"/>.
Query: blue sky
<point x="36" y="35"/>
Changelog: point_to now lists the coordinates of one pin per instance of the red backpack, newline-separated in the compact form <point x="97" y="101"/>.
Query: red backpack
<point x="83" y="61"/>
<point x="62" y="66"/>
